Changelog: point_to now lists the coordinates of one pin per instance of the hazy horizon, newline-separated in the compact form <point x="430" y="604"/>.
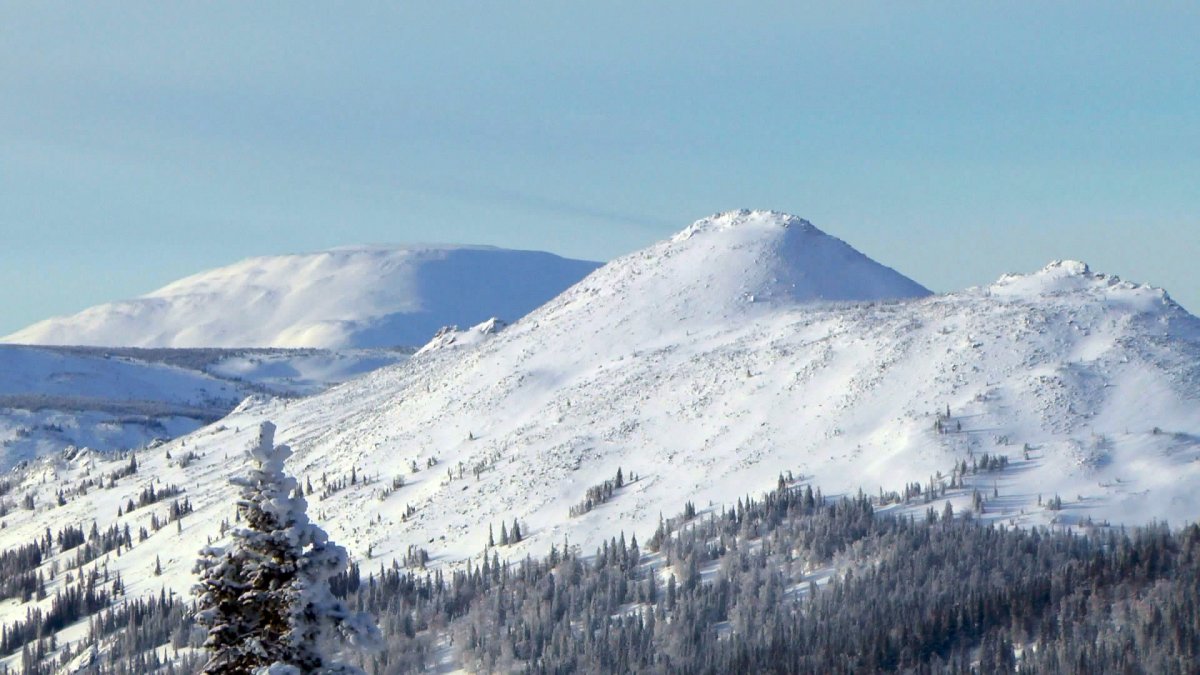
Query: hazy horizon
<point x="147" y="142"/>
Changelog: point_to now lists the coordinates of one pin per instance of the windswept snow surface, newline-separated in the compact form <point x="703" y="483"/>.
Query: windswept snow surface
<point x="706" y="366"/>
<point x="344" y="298"/>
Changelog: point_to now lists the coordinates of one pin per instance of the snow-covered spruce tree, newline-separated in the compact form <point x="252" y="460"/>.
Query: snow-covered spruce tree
<point x="265" y="596"/>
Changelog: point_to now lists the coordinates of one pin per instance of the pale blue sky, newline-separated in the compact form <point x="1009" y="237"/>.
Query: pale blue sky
<point x="141" y="142"/>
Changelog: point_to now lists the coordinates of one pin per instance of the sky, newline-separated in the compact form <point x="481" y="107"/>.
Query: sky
<point x="954" y="141"/>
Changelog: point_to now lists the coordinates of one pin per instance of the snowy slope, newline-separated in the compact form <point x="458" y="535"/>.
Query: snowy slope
<point x="51" y="399"/>
<point x="112" y="399"/>
<point x="707" y="365"/>
<point x="343" y="298"/>
<point x="58" y="373"/>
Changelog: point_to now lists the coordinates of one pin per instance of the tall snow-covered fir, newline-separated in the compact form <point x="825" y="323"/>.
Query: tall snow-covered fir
<point x="265" y="596"/>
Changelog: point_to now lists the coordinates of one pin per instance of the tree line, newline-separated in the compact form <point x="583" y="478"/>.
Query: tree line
<point x="789" y="582"/>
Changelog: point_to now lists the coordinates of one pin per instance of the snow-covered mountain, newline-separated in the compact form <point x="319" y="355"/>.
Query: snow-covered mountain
<point x="706" y="366"/>
<point x="748" y="346"/>
<point x="344" y="298"/>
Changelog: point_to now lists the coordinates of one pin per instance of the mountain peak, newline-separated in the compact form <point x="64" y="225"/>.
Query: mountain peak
<point x="765" y="255"/>
<point x="731" y="264"/>
<point x="1056" y="277"/>
<point x="1075" y="280"/>
<point x="1070" y="268"/>
<point x="746" y="219"/>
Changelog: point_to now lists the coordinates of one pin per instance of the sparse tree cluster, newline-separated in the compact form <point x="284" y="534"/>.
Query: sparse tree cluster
<point x="599" y="494"/>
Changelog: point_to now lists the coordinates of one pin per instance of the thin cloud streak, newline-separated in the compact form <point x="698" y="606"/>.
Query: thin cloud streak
<point x="507" y="197"/>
